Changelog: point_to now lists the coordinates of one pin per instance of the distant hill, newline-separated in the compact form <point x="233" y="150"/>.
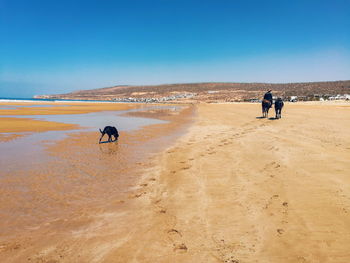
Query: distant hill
<point x="212" y="91"/>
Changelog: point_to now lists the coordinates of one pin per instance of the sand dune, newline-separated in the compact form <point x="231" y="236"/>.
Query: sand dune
<point x="234" y="188"/>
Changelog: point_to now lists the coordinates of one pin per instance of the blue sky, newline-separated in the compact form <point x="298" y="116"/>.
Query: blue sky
<point x="51" y="46"/>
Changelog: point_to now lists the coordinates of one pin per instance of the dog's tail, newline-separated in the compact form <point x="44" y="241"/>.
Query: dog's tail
<point x="101" y="131"/>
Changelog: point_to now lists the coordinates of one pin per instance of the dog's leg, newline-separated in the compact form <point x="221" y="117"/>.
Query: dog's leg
<point x="101" y="137"/>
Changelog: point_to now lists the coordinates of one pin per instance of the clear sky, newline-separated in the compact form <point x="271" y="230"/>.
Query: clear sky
<point x="49" y="46"/>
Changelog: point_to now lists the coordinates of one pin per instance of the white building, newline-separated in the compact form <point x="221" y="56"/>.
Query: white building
<point x="293" y="98"/>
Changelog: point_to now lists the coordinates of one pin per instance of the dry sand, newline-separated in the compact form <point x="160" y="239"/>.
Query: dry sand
<point x="234" y="188"/>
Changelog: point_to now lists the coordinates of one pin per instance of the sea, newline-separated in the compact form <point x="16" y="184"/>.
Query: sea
<point x="49" y="100"/>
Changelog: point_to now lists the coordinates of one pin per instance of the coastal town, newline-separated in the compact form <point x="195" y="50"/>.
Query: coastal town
<point x="212" y="92"/>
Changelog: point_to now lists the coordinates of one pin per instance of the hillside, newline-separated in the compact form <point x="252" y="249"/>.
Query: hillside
<point x="211" y="91"/>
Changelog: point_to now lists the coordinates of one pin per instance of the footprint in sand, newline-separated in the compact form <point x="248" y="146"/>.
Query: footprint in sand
<point x="280" y="231"/>
<point x="175" y="237"/>
<point x="157" y="201"/>
<point x="285" y="211"/>
<point x="275" y="165"/>
<point x="174" y="231"/>
<point x="271" y="165"/>
<point x="280" y="213"/>
<point x="269" y="202"/>
<point x="301" y="259"/>
<point x="9" y="246"/>
<point x="138" y="195"/>
<point x="226" y="252"/>
<point x="180" y="247"/>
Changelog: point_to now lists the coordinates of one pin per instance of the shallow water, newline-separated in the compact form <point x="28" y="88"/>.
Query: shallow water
<point x="42" y="105"/>
<point x="96" y="120"/>
<point x="14" y="107"/>
<point x="7" y="107"/>
<point x="28" y="150"/>
<point x="58" y="174"/>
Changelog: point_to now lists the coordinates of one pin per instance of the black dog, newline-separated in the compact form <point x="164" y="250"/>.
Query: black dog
<point x="278" y="107"/>
<point x="110" y="131"/>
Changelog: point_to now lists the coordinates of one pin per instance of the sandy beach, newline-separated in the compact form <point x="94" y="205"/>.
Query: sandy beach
<point x="215" y="183"/>
<point x="11" y="127"/>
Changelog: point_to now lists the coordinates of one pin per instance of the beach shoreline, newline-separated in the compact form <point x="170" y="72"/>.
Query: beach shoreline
<point x="230" y="187"/>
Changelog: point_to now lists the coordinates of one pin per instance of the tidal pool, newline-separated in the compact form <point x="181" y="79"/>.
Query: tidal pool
<point x="28" y="150"/>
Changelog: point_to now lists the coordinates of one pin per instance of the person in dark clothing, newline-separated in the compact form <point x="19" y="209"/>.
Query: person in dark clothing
<point x="268" y="96"/>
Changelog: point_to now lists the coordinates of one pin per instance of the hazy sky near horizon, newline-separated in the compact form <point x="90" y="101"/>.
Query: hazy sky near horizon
<point x="51" y="47"/>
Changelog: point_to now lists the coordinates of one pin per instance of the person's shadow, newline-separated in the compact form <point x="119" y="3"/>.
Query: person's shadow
<point x="260" y="117"/>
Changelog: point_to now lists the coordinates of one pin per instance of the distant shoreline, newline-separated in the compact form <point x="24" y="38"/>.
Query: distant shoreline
<point x="52" y="100"/>
<point x="211" y="92"/>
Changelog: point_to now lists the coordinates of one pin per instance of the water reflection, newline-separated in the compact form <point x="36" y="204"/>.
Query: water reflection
<point x="109" y="148"/>
<point x="30" y="149"/>
<point x="97" y="120"/>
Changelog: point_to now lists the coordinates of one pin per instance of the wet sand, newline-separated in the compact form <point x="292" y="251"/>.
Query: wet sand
<point x="17" y="125"/>
<point x="12" y="128"/>
<point x="234" y="188"/>
<point x="63" y="187"/>
<point x="49" y="108"/>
